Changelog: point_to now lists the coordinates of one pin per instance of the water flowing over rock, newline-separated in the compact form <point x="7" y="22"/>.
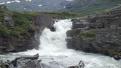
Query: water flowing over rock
<point x="54" y="53"/>
<point x="27" y="41"/>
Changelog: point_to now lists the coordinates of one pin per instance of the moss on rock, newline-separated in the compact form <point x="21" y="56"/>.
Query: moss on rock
<point x="88" y="34"/>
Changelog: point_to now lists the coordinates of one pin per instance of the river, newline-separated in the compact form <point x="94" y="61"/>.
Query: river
<point x="54" y="52"/>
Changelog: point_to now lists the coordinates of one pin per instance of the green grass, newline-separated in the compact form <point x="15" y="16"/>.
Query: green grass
<point x="88" y="34"/>
<point x="62" y="15"/>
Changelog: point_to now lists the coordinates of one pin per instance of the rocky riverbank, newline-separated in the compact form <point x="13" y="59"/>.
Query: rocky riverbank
<point x="20" y="31"/>
<point x="34" y="62"/>
<point x="97" y="34"/>
<point x="22" y="62"/>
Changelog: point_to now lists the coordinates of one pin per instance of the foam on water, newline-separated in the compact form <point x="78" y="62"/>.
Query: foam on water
<point x="53" y="49"/>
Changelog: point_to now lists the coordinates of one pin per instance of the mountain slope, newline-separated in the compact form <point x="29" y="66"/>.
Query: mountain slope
<point x="57" y="5"/>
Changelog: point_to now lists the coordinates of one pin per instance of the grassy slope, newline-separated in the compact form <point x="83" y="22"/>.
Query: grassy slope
<point x="22" y="23"/>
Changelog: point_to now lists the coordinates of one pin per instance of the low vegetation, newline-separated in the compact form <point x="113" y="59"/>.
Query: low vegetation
<point x="22" y="23"/>
<point x="88" y="34"/>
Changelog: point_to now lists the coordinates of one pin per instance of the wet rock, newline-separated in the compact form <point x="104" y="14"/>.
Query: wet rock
<point x="52" y="29"/>
<point x="30" y="62"/>
<point x="80" y="65"/>
<point x="117" y="57"/>
<point x="3" y="65"/>
<point x="23" y="62"/>
<point x="35" y="57"/>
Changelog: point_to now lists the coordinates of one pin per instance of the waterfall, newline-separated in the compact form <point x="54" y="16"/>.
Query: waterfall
<point x="53" y="50"/>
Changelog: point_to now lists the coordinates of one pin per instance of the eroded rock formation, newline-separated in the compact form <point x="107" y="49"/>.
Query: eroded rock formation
<point x="100" y="34"/>
<point x="21" y="31"/>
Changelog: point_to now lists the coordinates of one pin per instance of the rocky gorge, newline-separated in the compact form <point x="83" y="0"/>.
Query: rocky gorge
<point x="97" y="34"/>
<point x="21" y="32"/>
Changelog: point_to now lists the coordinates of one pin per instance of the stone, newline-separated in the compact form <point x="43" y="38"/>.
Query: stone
<point x="80" y="65"/>
<point x="14" y="44"/>
<point x="117" y="57"/>
<point x="23" y="62"/>
<point x="103" y="34"/>
<point x="78" y="23"/>
<point x="8" y="21"/>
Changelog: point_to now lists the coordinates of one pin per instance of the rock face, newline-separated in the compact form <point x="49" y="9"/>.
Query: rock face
<point x="40" y="22"/>
<point x="102" y="34"/>
<point x="20" y="35"/>
<point x="79" y="24"/>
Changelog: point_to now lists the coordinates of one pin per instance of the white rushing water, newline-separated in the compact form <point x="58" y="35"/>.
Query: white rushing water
<point x="53" y="50"/>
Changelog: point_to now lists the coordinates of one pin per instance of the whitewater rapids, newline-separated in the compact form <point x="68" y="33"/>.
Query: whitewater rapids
<point x="53" y="50"/>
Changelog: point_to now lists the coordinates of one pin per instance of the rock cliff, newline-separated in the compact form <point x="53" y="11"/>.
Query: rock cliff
<point x="97" y="34"/>
<point x="21" y="31"/>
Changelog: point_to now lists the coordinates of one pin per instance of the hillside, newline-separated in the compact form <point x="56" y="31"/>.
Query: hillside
<point x="83" y="6"/>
